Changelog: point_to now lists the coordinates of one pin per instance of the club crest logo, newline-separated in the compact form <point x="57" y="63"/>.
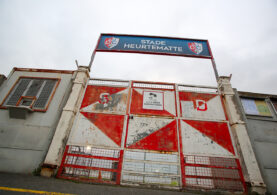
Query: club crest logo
<point x="105" y="99"/>
<point x="201" y="105"/>
<point x="195" y="47"/>
<point x="111" y="42"/>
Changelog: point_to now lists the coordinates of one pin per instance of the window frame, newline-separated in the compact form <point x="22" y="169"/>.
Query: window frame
<point x="2" y="106"/>
<point x="258" y="99"/>
<point x="273" y="102"/>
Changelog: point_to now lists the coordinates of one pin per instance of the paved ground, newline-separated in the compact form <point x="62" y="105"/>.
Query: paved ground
<point x="27" y="184"/>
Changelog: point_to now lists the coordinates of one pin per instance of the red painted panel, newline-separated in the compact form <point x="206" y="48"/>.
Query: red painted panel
<point x="164" y="139"/>
<point x="137" y="106"/>
<point x="93" y="93"/>
<point x="192" y="96"/>
<point x="216" y="131"/>
<point x="85" y="168"/>
<point x="204" y="172"/>
<point x="110" y="125"/>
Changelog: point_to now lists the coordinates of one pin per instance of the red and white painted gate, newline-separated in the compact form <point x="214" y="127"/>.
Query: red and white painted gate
<point x="153" y="134"/>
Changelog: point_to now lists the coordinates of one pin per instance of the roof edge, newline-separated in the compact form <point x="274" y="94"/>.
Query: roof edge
<point x="43" y="70"/>
<point x="256" y="95"/>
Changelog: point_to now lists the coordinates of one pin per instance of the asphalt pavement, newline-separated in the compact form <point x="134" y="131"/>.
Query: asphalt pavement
<point x="19" y="184"/>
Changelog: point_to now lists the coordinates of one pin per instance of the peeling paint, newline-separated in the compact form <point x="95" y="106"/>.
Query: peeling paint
<point x="153" y="140"/>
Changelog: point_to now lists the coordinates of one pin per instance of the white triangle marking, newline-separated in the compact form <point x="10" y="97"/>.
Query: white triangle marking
<point x="140" y="127"/>
<point x="86" y="133"/>
<point x="196" y="143"/>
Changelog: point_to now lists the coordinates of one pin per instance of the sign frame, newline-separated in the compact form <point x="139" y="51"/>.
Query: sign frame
<point x="152" y="107"/>
<point x="149" y="52"/>
<point x="155" y="53"/>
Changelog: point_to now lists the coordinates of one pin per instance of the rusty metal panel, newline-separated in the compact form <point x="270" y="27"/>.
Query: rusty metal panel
<point x="105" y="99"/>
<point x="148" y="133"/>
<point x="89" y="164"/>
<point x="201" y="106"/>
<point x="153" y="102"/>
<point x="206" y="138"/>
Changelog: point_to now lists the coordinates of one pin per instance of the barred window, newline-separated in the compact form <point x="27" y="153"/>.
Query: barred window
<point x="34" y="93"/>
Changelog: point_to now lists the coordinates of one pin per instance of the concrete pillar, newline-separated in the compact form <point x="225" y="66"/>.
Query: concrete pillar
<point x="56" y="149"/>
<point x="251" y="171"/>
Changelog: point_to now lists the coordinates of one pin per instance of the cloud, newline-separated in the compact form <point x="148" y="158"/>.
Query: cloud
<point x="52" y="34"/>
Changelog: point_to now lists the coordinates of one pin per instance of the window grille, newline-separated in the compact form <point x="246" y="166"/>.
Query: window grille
<point x="153" y="86"/>
<point x="197" y="89"/>
<point x="109" y="83"/>
<point x="205" y="172"/>
<point x="91" y="164"/>
<point x="31" y="92"/>
<point x="151" y="168"/>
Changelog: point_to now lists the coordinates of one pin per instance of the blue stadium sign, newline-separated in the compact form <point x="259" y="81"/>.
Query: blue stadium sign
<point x="154" y="45"/>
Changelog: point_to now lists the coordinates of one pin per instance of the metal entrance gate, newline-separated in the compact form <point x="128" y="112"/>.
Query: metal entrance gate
<point x="152" y="134"/>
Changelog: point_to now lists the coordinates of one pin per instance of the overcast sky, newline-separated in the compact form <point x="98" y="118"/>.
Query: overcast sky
<point x="52" y="34"/>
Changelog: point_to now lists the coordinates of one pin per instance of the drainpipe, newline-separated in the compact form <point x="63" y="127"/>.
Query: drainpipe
<point x="56" y="149"/>
<point x="250" y="168"/>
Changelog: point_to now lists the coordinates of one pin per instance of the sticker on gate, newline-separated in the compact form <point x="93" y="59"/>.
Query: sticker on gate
<point x="153" y="100"/>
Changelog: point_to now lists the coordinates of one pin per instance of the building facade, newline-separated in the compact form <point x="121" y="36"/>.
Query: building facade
<point x="160" y="135"/>
<point x="2" y="79"/>
<point x="259" y="111"/>
<point x="31" y="104"/>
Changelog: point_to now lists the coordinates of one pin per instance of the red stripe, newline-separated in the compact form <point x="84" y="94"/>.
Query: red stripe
<point x="119" y="168"/>
<point x="242" y="177"/>
<point x="91" y="156"/>
<point x="63" y="159"/>
<point x="182" y="155"/>
<point x="209" y="166"/>
<point x="210" y="177"/>
<point x="90" y="168"/>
